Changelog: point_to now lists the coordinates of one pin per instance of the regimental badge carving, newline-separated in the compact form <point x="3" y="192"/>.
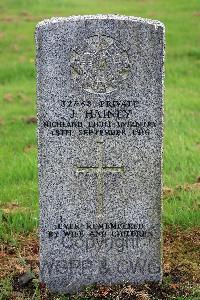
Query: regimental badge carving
<point x="99" y="65"/>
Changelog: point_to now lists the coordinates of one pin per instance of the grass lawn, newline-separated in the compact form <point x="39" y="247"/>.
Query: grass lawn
<point x="18" y="150"/>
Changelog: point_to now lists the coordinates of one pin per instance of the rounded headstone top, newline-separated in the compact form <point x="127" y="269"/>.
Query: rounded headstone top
<point x="57" y="20"/>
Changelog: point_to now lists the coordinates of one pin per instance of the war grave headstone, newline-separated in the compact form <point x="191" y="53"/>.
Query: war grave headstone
<point x="100" y="131"/>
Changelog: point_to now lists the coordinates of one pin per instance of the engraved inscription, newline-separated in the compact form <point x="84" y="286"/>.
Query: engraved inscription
<point x="100" y="64"/>
<point x="103" y="236"/>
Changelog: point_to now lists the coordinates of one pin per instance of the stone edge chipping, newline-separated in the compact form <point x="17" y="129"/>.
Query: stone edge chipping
<point x="56" y="20"/>
<point x="162" y="148"/>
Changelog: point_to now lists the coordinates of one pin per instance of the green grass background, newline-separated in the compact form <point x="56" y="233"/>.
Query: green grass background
<point x="18" y="151"/>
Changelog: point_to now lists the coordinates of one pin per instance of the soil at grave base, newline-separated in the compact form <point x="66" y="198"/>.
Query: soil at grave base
<point x="180" y="266"/>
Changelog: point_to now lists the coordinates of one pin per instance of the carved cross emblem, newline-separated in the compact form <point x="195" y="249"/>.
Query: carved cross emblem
<point x="100" y="170"/>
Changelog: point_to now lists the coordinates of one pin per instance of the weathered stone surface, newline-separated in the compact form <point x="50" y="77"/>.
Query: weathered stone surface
<point x="100" y="118"/>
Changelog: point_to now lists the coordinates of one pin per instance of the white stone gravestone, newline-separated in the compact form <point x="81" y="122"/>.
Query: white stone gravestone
<point x="100" y="131"/>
